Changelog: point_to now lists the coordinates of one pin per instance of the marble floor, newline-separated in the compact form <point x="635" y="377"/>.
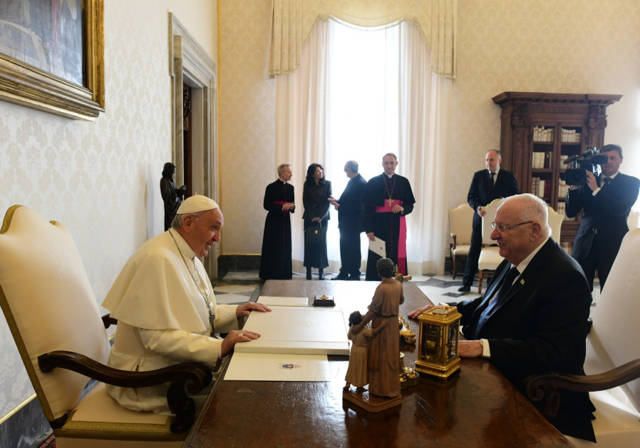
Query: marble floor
<point x="240" y="286"/>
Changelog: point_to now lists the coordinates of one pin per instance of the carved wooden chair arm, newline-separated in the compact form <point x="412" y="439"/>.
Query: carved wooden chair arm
<point x="187" y="377"/>
<point x="453" y="243"/>
<point x="544" y="387"/>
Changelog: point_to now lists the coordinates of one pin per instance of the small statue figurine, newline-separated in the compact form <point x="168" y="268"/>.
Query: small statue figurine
<point x="357" y="371"/>
<point x="171" y="195"/>
<point x="383" y="360"/>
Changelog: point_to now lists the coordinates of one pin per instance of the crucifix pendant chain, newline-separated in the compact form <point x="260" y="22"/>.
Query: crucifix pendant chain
<point x="204" y="294"/>
<point x="389" y="193"/>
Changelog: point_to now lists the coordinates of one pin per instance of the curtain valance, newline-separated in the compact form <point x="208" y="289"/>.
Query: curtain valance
<point x="292" y="21"/>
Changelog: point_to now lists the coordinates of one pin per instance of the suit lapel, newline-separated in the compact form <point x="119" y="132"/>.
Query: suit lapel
<point x="501" y="271"/>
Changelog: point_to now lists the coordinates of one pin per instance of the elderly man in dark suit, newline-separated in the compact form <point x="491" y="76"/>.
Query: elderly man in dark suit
<point x="533" y="317"/>
<point x="606" y="202"/>
<point x="350" y="215"/>
<point x="487" y="185"/>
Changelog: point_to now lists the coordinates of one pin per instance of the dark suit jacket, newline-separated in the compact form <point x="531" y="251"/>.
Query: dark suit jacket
<point x="483" y="191"/>
<point x="540" y="326"/>
<point x="605" y="214"/>
<point x="350" y="212"/>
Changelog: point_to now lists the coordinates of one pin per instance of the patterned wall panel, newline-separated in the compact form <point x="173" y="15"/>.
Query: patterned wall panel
<point x="247" y="127"/>
<point x="99" y="178"/>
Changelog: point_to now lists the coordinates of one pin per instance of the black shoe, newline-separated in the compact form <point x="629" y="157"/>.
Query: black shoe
<point x="341" y="277"/>
<point x="464" y="288"/>
<point x="308" y="273"/>
<point x="320" y="274"/>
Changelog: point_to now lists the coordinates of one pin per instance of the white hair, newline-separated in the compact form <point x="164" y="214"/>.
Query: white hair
<point x="178" y="220"/>
<point x="531" y="208"/>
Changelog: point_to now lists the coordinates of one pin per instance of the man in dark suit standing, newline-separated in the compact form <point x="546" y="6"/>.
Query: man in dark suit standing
<point x="606" y="202"/>
<point x="350" y="212"/>
<point x="487" y="185"/>
<point x="533" y="317"/>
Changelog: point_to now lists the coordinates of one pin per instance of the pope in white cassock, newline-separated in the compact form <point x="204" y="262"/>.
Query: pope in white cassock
<point x="165" y="306"/>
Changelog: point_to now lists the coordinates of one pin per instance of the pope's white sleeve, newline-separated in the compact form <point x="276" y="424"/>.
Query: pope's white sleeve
<point x="182" y="345"/>
<point x="226" y="319"/>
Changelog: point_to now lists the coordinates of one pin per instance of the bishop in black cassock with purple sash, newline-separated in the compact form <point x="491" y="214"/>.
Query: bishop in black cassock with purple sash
<point x="275" y="262"/>
<point x="387" y="200"/>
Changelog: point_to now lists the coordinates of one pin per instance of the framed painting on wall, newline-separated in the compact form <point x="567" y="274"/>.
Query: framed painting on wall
<point x="52" y="55"/>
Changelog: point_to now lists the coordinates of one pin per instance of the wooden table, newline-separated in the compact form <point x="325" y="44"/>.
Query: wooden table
<point x="478" y="408"/>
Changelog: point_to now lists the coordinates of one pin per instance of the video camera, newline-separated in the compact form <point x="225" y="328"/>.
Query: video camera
<point x="589" y="160"/>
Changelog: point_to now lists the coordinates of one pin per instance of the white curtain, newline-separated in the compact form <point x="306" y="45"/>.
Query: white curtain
<point x="313" y="124"/>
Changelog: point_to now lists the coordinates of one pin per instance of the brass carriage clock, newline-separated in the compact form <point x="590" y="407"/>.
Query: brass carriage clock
<point x="438" y="342"/>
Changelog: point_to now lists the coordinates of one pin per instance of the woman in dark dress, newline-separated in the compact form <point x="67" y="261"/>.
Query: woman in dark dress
<point x="315" y="198"/>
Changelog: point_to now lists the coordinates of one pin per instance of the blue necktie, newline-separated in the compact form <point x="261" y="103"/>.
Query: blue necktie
<point x="507" y="282"/>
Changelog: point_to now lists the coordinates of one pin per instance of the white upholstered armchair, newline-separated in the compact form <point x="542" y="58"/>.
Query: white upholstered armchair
<point x="54" y="319"/>
<point x="612" y="341"/>
<point x="460" y="222"/>
<point x="489" y="258"/>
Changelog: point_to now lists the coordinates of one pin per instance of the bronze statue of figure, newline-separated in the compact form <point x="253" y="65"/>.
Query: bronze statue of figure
<point x="171" y="195"/>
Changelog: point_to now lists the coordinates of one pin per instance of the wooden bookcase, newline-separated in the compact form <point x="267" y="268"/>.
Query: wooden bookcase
<point x="540" y="130"/>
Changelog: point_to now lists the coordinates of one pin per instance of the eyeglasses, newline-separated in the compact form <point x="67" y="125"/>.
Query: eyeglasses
<point x="503" y="227"/>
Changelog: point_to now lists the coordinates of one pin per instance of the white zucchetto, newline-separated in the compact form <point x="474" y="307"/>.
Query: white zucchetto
<point x="196" y="204"/>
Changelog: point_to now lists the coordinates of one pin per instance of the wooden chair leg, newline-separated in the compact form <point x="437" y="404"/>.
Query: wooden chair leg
<point x="480" y="276"/>
<point x="453" y="265"/>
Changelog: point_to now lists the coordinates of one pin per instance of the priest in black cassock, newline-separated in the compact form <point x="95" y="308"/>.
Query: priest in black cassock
<point x="387" y="200"/>
<point x="275" y="262"/>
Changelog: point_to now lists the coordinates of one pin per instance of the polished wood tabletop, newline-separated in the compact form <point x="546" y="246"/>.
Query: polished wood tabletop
<point x="477" y="408"/>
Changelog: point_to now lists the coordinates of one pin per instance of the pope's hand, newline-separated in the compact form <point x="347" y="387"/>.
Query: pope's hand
<point x="418" y="311"/>
<point x="235" y="336"/>
<point x="246" y="308"/>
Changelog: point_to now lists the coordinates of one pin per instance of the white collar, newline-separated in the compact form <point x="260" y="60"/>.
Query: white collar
<point x="524" y="263"/>
<point x="183" y="246"/>
<point x="496" y="171"/>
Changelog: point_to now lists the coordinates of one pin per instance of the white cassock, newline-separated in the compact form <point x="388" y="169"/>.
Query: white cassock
<point x="162" y="301"/>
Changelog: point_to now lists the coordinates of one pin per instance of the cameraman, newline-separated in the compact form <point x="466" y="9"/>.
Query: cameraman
<point x="605" y="201"/>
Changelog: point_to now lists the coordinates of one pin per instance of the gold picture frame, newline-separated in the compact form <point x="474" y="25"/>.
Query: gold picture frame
<point x="24" y="84"/>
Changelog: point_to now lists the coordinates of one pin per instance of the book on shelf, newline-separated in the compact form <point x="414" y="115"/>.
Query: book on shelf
<point x="569" y="136"/>
<point x="563" y="190"/>
<point x="542" y="134"/>
<point x="540" y="187"/>
<point x="540" y="160"/>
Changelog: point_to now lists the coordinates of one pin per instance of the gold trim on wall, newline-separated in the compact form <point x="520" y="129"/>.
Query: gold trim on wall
<point x="23" y="84"/>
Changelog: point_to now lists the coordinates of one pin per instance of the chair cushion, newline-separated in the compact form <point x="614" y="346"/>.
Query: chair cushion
<point x="489" y="258"/>
<point x="49" y="305"/>
<point x="461" y="250"/>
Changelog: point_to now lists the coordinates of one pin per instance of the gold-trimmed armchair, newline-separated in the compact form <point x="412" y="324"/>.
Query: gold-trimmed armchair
<point x="54" y="319"/>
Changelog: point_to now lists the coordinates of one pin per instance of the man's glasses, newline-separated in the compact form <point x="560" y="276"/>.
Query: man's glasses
<point x="503" y="227"/>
